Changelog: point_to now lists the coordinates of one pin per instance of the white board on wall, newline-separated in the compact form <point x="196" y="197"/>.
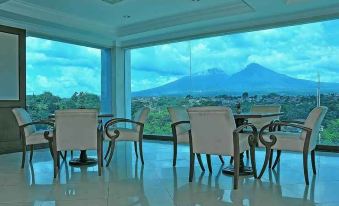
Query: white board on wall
<point x="9" y="66"/>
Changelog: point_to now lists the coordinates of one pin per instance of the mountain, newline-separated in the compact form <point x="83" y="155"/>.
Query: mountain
<point x="207" y="81"/>
<point x="254" y="78"/>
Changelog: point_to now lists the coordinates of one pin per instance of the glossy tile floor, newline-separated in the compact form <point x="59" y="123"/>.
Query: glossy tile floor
<point x="126" y="182"/>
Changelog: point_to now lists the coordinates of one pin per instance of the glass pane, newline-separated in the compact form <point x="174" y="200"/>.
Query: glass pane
<point x="275" y="66"/>
<point x="151" y="69"/>
<point x="288" y="66"/>
<point x="61" y="76"/>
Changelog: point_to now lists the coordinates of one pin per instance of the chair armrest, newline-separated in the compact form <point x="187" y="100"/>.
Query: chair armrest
<point x="252" y="137"/>
<point x="116" y="131"/>
<point x="279" y="124"/>
<point x="47" y="122"/>
<point x="119" y="120"/>
<point x="288" y="124"/>
<point x="105" y="115"/>
<point x="293" y="121"/>
<point x="179" y="122"/>
<point x="47" y="137"/>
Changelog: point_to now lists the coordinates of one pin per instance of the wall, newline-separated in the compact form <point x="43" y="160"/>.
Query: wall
<point x="9" y="131"/>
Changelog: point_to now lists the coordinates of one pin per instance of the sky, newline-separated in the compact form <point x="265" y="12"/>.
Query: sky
<point x="61" y="68"/>
<point x="297" y="51"/>
<point x="300" y="51"/>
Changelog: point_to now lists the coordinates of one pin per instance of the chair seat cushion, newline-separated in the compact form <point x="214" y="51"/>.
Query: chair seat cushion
<point x="37" y="137"/>
<point x="291" y="141"/>
<point x="126" y="134"/>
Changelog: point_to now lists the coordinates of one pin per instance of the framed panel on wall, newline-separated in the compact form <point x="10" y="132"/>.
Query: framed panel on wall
<point x="12" y="66"/>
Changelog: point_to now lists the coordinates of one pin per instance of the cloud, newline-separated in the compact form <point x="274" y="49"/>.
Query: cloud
<point x="169" y="59"/>
<point x="62" y="68"/>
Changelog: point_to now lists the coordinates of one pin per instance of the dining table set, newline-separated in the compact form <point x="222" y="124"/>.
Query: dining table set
<point x="209" y="130"/>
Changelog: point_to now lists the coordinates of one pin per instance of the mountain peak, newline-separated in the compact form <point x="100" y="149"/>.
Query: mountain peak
<point x="256" y="68"/>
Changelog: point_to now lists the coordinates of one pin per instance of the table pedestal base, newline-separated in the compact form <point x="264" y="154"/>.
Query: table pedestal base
<point x="243" y="170"/>
<point x="83" y="160"/>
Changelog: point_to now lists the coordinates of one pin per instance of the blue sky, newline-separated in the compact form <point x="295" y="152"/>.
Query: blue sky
<point x="298" y="51"/>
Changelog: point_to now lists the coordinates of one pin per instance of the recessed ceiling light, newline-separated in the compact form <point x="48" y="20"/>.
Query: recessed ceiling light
<point x="195" y="0"/>
<point x="126" y="16"/>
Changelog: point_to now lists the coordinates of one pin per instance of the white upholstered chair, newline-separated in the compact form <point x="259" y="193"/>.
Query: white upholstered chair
<point x="134" y="134"/>
<point x="261" y="122"/>
<point x="180" y="126"/>
<point x="30" y="136"/>
<point x="304" y="141"/>
<point x="213" y="132"/>
<point x="77" y="129"/>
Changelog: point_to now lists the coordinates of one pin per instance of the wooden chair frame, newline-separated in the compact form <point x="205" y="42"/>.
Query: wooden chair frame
<point x="23" y="139"/>
<point x="269" y="145"/>
<point x="111" y="146"/>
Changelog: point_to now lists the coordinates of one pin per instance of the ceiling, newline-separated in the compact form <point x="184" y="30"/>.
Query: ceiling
<point x="135" y="23"/>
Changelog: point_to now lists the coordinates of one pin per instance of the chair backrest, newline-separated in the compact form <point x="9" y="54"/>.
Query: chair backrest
<point x="177" y="114"/>
<point x="212" y="130"/>
<point x="76" y="129"/>
<point x="261" y="122"/>
<point x="140" y="116"/>
<point x="313" y="121"/>
<point x="22" y="117"/>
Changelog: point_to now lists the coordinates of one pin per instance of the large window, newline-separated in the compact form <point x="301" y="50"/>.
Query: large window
<point x="61" y="76"/>
<point x="288" y="66"/>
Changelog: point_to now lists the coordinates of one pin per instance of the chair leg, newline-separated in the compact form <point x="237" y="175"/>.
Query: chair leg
<point x="313" y="162"/>
<point x="110" y="154"/>
<point x="231" y="160"/>
<point x="108" y="149"/>
<point x="221" y="159"/>
<point x="141" y="153"/>
<point x="58" y="159"/>
<point x="247" y="154"/>
<point x="267" y="157"/>
<point x="31" y="153"/>
<point x="55" y="160"/>
<point x="192" y="157"/>
<point x="208" y="157"/>
<point x="277" y="159"/>
<point x="99" y="153"/>
<point x="23" y="156"/>
<point x="65" y="155"/>
<point x="200" y="162"/>
<point x="271" y="159"/>
<point x="71" y="153"/>
<point x="136" y="149"/>
<point x="253" y="163"/>
<point x="305" y="159"/>
<point x="236" y="170"/>
<point x="175" y="152"/>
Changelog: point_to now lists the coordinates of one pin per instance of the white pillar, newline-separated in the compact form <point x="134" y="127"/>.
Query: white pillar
<point x="116" y="82"/>
<point x="115" y="94"/>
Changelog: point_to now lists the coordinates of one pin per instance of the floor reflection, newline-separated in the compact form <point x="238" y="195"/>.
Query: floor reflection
<point x="127" y="182"/>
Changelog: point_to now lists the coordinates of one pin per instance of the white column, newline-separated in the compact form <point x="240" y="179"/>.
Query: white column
<point x="115" y="95"/>
<point x="116" y="82"/>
